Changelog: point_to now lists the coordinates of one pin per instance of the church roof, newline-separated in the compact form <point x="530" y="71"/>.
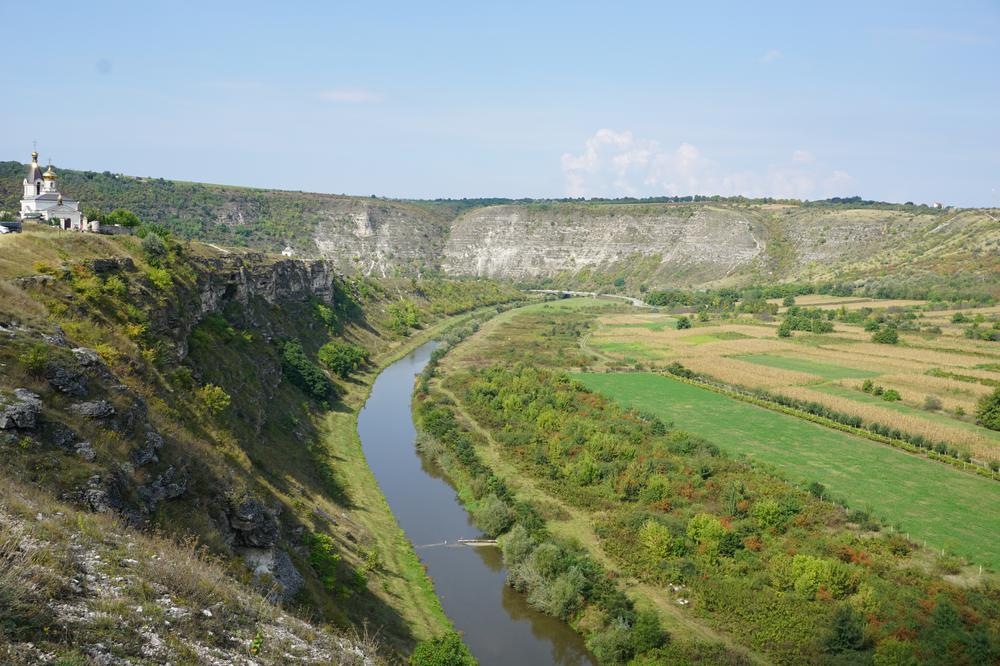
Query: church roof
<point x="34" y="171"/>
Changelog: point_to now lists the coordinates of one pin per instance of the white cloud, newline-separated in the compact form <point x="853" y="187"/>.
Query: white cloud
<point x="350" y="96"/>
<point x="771" y="55"/>
<point x="615" y="164"/>
<point x="803" y="157"/>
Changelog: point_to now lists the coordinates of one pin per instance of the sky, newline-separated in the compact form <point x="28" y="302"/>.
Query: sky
<point x="896" y="101"/>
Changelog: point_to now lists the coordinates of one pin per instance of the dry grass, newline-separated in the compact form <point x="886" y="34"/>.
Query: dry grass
<point x="752" y="375"/>
<point x="979" y="446"/>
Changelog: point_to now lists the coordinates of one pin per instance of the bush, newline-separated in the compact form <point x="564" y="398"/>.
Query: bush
<point x="154" y="248"/>
<point x="613" y="645"/>
<point x="683" y="322"/>
<point x="446" y="650"/>
<point x="403" y="316"/>
<point x="988" y="411"/>
<point x="214" y="398"/>
<point x="342" y="358"/>
<point x="35" y="358"/>
<point x="887" y="335"/>
<point x="122" y="217"/>
<point x="785" y="330"/>
<point x="494" y="516"/>
<point x="847" y="633"/>
<point x="932" y="403"/>
<point x="303" y="373"/>
<point x="891" y="395"/>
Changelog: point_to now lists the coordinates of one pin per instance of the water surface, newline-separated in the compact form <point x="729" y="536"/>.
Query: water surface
<point x="496" y="622"/>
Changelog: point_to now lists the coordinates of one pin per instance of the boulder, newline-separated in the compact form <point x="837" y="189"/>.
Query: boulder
<point x="254" y="525"/>
<point x="85" y="451"/>
<point x="22" y="412"/>
<point x="167" y="486"/>
<point x="68" y="380"/>
<point x="87" y="357"/>
<point x="147" y="453"/>
<point x="95" y="409"/>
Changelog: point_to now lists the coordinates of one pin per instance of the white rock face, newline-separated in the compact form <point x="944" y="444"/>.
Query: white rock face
<point x="532" y="241"/>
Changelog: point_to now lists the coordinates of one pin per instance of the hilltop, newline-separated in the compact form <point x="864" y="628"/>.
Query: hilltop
<point x="628" y="246"/>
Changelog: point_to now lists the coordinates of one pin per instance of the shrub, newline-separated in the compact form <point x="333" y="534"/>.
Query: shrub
<point x="303" y="373"/>
<point x="402" y="317"/>
<point x="887" y="335"/>
<point x="988" y="411"/>
<point x="123" y="217"/>
<point x="785" y="330"/>
<point x="612" y="645"/>
<point x="788" y="301"/>
<point x="890" y="395"/>
<point x="516" y="546"/>
<point x="562" y="597"/>
<point x="154" y="248"/>
<point x="847" y="633"/>
<point x="342" y="358"/>
<point x="932" y="403"/>
<point x="683" y="322"/>
<point x="894" y="652"/>
<point x="324" y="560"/>
<point x="35" y="358"/>
<point x="213" y="397"/>
<point x="494" y="516"/>
<point x="769" y="514"/>
<point x="446" y="650"/>
<point x="160" y="277"/>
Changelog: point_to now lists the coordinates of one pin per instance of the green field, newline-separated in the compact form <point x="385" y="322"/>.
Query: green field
<point x="659" y="325"/>
<point x="635" y="350"/>
<point x="824" y="370"/>
<point x="930" y="501"/>
<point x="702" y="338"/>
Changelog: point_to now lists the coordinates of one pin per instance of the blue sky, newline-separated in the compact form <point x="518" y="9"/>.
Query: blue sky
<point x="888" y="100"/>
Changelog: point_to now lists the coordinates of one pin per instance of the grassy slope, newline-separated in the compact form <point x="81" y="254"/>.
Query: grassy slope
<point x="926" y="499"/>
<point x="269" y="441"/>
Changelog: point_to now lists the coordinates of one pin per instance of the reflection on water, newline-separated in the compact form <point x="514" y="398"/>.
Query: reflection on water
<point x="496" y="622"/>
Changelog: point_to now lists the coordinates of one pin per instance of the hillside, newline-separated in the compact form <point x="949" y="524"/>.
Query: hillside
<point x="606" y="245"/>
<point x="173" y="457"/>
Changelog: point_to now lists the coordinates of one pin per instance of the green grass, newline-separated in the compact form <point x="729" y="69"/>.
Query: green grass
<point x="666" y="322"/>
<point x="930" y="501"/>
<point x="702" y="338"/>
<point x="824" y="370"/>
<point x="631" y="349"/>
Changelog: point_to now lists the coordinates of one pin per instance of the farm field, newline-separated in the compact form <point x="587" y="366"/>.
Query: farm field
<point x="939" y="378"/>
<point x="931" y="501"/>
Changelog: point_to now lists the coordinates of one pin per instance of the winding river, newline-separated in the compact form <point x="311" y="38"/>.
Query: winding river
<point x="496" y="622"/>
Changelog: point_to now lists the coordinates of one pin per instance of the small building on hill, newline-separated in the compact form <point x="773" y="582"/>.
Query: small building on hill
<point x="43" y="202"/>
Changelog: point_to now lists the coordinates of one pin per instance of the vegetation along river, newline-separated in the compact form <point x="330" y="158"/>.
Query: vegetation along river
<point x="496" y="622"/>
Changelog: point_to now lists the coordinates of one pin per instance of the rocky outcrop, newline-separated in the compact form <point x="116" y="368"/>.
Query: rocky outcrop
<point x="167" y="486"/>
<point x="94" y="409"/>
<point x="20" y="413"/>
<point x="66" y="379"/>
<point x="253" y="524"/>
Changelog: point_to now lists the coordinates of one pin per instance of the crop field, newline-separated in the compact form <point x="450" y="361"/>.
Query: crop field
<point x="932" y="502"/>
<point x="938" y="377"/>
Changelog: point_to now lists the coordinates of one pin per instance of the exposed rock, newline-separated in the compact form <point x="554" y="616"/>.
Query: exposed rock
<point x="67" y="380"/>
<point x="167" y="486"/>
<point x="254" y="525"/>
<point x="22" y="413"/>
<point x="277" y="566"/>
<point x="60" y="436"/>
<point x="95" y="409"/>
<point x="85" y="451"/>
<point x="87" y="357"/>
<point x="111" y="265"/>
<point x="147" y="453"/>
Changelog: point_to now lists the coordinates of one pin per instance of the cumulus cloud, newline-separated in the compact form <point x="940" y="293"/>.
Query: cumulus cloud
<point x="770" y="56"/>
<point x="616" y="164"/>
<point x="350" y="96"/>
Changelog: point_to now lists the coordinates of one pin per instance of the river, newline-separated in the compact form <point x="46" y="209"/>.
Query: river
<point x="496" y="622"/>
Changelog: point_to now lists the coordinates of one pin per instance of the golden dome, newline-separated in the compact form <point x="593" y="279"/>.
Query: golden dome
<point x="50" y="174"/>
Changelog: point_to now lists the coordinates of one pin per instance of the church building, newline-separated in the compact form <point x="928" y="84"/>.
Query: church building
<point x="42" y="201"/>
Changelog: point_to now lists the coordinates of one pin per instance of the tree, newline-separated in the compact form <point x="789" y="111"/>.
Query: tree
<point x="847" y="633"/>
<point x="122" y="217"/>
<point x="988" y="411"/>
<point x="343" y="358"/>
<point x="785" y="330"/>
<point x="683" y="323"/>
<point x="446" y="650"/>
<point x="887" y="335"/>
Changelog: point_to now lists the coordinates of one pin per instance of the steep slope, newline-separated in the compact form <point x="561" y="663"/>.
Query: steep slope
<point x="622" y="245"/>
<point x="176" y="388"/>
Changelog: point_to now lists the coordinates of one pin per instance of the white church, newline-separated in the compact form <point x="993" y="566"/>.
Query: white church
<point x="43" y="202"/>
